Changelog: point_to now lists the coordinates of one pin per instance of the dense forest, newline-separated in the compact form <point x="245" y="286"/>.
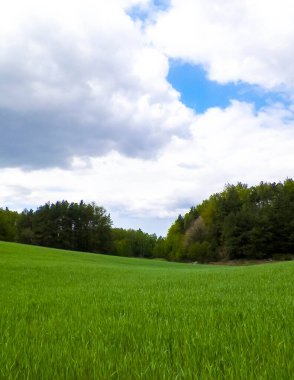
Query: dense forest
<point x="239" y="223"/>
<point x="74" y="226"/>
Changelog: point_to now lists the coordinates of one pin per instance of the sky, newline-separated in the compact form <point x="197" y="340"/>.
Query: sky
<point x="146" y="107"/>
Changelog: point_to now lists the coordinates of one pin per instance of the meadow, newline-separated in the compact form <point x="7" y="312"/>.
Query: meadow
<point x="70" y="315"/>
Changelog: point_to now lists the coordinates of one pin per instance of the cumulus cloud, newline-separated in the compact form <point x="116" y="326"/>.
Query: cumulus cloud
<point x="250" y="41"/>
<point x="226" y="146"/>
<point x="78" y="78"/>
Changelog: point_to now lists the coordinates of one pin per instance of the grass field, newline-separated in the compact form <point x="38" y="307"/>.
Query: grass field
<point x="68" y="315"/>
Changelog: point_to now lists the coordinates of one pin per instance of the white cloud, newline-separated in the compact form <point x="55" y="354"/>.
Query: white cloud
<point x="226" y="146"/>
<point x="250" y="41"/>
<point x="79" y="78"/>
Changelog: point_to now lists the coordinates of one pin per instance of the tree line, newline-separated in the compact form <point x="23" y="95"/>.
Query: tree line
<point x="74" y="226"/>
<point x="241" y="222"/>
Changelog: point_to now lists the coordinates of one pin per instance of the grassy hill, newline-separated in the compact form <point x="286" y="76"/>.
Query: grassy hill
<point x="70" y="315"/>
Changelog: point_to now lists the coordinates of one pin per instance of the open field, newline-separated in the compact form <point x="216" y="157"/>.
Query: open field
<point x="68" y="315"/>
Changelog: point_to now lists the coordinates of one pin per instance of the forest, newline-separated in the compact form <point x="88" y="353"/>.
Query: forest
<point x="74" y="226"/>
<point x="241" y="222"/>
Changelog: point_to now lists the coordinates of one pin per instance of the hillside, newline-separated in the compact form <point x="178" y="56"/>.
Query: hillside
<point x="70" y="315"/>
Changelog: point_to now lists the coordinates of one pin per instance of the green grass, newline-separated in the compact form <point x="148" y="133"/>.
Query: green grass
<point x="68" y="315"/>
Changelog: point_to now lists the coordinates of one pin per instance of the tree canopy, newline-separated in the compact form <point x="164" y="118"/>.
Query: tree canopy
<point x="240" y="222"/>
<point x="75" y="226"/>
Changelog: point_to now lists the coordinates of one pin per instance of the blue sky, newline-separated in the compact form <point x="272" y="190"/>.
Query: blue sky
<point x="142" y="13"/>
<point x="200" y="93"/>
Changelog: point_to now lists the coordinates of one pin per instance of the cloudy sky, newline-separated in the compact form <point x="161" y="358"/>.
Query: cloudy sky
<point x="144" y="106"/>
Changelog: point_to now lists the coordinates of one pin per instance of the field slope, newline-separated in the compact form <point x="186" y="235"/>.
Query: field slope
<point x="68" y="315"/>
